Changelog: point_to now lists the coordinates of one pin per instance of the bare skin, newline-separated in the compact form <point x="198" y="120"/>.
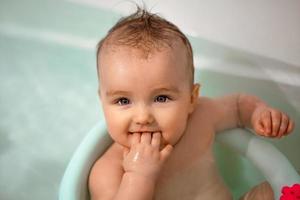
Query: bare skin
<point x="163" y="140"/>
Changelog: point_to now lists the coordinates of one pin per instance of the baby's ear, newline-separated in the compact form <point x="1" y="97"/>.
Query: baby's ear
<point x="194" y="97"/>
<point x="99" y="92"/>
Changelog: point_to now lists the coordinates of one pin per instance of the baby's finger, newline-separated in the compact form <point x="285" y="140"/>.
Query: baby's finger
<point x="135" y="138"/>
<point x="166" y="151"/>
<point x="266" y="120"/>
<point x="290" y="127"/>
<point x="276" y="121"/>
<point x="156" y="137"/>
<point x="146" y="138"/>
<point x="283" y="125"/>
<point x="259" y="127"/>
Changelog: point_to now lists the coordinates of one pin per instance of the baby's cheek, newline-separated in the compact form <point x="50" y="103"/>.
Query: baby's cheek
<point x="173" y="134"/>
<point x="118" y="133"/>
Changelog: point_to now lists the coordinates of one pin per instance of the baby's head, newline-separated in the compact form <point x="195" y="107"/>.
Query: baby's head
<point x="146" y="78"/>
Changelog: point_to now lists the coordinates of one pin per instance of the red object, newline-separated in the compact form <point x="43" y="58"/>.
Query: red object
<point x="290" y="193"/>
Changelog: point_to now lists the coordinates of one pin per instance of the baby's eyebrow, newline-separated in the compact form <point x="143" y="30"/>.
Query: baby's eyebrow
<point x="117" y="92"/>
<point x="166" y="89"/>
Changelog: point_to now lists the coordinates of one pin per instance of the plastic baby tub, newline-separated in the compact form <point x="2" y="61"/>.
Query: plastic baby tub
<point x="273" y="165"/>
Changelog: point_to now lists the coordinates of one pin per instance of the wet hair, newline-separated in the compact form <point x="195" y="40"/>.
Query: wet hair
<point x="146" y="31"/>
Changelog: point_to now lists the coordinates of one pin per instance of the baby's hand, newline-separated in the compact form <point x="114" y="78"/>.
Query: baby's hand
<point x="144" y="157"/>
<point x="269" y="122"/>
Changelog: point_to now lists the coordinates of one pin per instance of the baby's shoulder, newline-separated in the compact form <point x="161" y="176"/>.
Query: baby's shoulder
<point x="205" y="105"/>
<point x="106" y="173"/>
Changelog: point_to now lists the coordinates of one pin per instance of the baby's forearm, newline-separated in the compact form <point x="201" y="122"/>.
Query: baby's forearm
<point x="135" y="187"/>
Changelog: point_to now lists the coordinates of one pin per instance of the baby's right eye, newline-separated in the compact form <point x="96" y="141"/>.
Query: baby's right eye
<point x="123" y="101"/>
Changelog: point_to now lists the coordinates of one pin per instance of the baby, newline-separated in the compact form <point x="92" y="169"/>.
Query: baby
<point x="163" y="131"/>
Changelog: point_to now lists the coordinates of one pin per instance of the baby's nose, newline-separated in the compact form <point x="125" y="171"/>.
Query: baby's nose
<point x="143" y="115"/>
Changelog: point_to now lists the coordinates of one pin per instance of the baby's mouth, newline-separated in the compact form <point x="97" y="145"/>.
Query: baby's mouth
<point x="141" y="132"/>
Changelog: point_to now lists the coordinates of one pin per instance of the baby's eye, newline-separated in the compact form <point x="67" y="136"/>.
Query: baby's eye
<point x="123" y="101"/>
<point x="162" y="98"/>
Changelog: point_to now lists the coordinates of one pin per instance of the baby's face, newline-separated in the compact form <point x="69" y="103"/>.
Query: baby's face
<point x="146" y="94"/>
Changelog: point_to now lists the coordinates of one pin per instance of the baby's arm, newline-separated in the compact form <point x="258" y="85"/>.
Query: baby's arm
<point x="242" y="110"/>
<point x="142" y="164"/>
